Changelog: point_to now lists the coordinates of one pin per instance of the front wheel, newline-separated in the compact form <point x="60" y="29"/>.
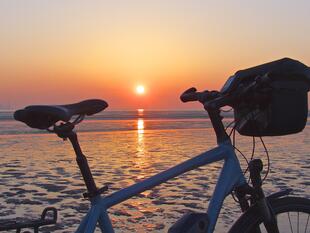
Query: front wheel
<point x="292" y="213"/>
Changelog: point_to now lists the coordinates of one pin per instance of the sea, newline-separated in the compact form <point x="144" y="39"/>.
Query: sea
<point x="38" y="169"/>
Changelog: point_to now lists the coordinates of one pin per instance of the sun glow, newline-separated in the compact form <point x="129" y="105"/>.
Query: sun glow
<point x="140" y="90"/>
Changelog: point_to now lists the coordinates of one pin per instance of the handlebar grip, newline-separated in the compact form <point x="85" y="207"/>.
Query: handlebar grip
<point x="189" y="95"/>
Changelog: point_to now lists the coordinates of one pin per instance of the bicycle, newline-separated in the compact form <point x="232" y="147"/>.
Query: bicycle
<point x="248" y="92"/>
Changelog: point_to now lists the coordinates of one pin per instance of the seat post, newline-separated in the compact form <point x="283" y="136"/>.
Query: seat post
<point x="83" y="164"/>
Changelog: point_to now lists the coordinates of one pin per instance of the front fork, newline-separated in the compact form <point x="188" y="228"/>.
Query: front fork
<point x="257" y="197"/>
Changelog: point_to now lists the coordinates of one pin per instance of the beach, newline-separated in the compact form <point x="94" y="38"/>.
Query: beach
<point x="38" y="169"/>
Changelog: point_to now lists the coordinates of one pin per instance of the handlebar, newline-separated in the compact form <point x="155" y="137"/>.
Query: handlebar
<point x="210" y="99"/>
<point x="215" y="99"/>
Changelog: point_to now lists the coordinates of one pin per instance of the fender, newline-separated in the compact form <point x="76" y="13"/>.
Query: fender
<point x="279" y="194"/>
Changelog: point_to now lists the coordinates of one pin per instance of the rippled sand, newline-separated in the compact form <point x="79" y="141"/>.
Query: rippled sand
<point x="39" y="170"/>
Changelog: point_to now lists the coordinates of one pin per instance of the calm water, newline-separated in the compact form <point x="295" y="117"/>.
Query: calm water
<point x="38" y="169"/>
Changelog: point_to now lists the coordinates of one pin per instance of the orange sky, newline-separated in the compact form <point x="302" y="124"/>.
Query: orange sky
<point x="66" y="51"/>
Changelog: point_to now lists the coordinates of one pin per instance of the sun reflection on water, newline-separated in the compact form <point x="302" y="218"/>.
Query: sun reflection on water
<point x="140" y="111"/>
<point x="140" y="155"/>
<point x="140" y="129"/>
<point x="140" y="126"/>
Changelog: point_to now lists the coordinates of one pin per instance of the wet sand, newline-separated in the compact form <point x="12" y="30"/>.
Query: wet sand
<point x="39" y="170"/>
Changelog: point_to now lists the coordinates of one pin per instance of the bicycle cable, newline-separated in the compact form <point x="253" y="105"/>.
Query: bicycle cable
<point x="228" y="110"/>
<point x="232" y="134"/>
<point x="268" y="158"/>
<point x="266" y="151"/>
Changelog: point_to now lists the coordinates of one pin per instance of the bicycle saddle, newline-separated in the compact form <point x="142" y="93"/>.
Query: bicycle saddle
<point x="44" y="116"/>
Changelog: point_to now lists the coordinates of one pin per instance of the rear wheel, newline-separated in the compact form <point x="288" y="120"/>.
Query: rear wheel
<point x="292" y="213"/>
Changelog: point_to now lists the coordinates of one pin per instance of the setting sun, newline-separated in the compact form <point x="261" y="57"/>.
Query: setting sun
<point x="140" y="90"/>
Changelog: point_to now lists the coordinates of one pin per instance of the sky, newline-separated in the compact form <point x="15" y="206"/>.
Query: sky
<point x="56" y="51"/>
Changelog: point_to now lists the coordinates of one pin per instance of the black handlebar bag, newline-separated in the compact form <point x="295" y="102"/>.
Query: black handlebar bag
<point x="284" y="108"/>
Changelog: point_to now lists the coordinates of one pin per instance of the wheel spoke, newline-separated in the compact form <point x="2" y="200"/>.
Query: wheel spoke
<point x="307" y="224"/>
<point x="292" y="214"/>
<point x="289" y="219"/>
<point x="297" y="222"/>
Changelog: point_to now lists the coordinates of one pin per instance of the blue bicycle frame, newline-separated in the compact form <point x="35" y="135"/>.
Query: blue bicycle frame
<point x="231" y="176"/>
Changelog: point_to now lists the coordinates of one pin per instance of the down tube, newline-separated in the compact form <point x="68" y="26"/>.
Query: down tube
<point x="208" y="157"/>
<point x="230" y="177"/>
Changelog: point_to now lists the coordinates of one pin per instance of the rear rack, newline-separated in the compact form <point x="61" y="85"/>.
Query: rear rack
<point x="34" y="224"/>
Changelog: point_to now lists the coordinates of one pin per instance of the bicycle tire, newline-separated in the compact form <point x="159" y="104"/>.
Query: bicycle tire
<point x="281" y="207"/>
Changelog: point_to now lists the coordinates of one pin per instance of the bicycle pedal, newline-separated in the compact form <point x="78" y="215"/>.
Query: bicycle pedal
<point x="190" y="223"/>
